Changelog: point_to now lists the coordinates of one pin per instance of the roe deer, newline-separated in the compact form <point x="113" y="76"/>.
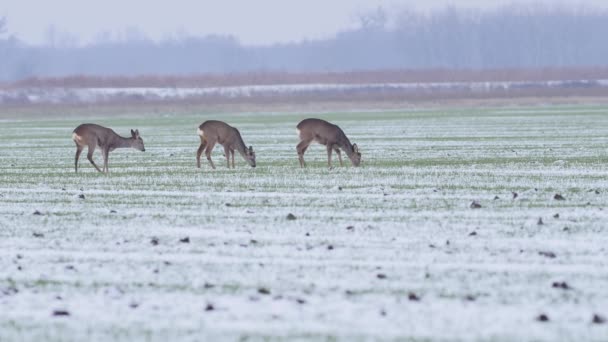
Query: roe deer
<point x="327" y="134"/>
<point x="93" y="135"/>
<point x="212" y="132"/>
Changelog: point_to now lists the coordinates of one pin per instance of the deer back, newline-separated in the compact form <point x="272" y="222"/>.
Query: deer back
<point x="87" y="134"/>
<point x="322" y="132"/>
<point x="221" y="132"/>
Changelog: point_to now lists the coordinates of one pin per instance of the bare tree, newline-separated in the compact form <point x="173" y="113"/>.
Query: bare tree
<point x="519" y="36"/>
<point x="2" y="26"/>
<point x="374" y="20"/>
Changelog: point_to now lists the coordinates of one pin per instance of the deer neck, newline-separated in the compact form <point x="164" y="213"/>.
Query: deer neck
<point x="346" y="146"/>
<point x="240" y="146"/>
<point x="120" y="142"/>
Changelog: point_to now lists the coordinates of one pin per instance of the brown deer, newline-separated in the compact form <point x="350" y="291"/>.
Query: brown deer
<point x="212" y="132"/>
<point x="327" y="134"/>
<point x="93" y="135"/>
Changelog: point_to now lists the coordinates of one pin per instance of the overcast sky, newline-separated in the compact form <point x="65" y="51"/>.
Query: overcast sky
<point x="251" y="21"/>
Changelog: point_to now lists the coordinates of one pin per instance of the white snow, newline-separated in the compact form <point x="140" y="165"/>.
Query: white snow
<point x="91" y="95"/>
<point x="408" y="207"/>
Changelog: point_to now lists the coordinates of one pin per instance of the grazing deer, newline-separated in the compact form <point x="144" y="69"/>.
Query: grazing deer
<point x="93" y="135"/>
<point x="212" y="132"/>
<point x="327" y="134"/>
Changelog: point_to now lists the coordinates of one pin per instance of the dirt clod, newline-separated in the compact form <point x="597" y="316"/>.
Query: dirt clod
<point x="542" y="318"/>
<point x="413" y="297"/>
<point x="560" y="285"/>
<point x="61" y="313"/>
<point x="547" y="254"/>
<point x="597" y="319"/>
<point x="264" y="291"/>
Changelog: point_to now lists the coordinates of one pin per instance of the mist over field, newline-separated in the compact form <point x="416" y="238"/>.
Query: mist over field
<point x="518" y="36"/>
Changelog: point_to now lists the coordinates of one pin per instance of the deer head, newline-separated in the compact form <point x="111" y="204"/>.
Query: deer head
<point x="137" y="141"/>
<point x="250" y="156"/>
<point x="355" y="158"/>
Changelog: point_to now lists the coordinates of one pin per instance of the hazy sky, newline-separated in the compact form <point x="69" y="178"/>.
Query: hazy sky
<point x="252" y="21"/>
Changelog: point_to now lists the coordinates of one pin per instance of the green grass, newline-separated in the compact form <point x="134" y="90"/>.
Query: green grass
<point x="408" y="206"/>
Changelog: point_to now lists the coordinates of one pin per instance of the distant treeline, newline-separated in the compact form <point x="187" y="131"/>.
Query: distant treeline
<point x="510" y="37"/>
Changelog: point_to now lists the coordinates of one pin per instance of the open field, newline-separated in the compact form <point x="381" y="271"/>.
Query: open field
<point x="285" y="78"/>
<point x="391" y="250"/>
<point x="420" y="87"/>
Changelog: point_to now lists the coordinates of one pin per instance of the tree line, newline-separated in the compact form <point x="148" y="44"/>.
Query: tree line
<point x="533" y="36"/>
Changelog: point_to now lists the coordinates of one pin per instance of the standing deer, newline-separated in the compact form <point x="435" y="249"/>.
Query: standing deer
<point x="212" y="132"/>
<point x="93" y="135"/>
<point x="327" y="134"/>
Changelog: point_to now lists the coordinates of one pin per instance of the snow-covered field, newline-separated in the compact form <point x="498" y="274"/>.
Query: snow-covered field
<point x="96" y="95"/>
<point x="159" y="250"/>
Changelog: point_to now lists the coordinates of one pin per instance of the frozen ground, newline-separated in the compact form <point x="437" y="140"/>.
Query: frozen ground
<point x="96" y="95"/>
<point x="391" y="250"/>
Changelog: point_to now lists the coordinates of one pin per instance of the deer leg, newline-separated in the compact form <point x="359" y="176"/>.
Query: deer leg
<point x="106" y="154"/>
<point x="200" y="151"/>
<point x="232" y="152"/>
<point x="78" y="151"/>
<point x="301" y="148"/>
<point x="227" y="153"/>
<point x="339" y="155"/>
<point x="90" y="156"/>
<point x="208" y="153"/>
<point x="329" y="150"/>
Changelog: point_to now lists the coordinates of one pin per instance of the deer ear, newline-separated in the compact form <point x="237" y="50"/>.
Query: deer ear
<point x="250" y="149"/>
<point x="137" y="132"/>
<point x="133" y="133"/>
<point x="355" y="148"/>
